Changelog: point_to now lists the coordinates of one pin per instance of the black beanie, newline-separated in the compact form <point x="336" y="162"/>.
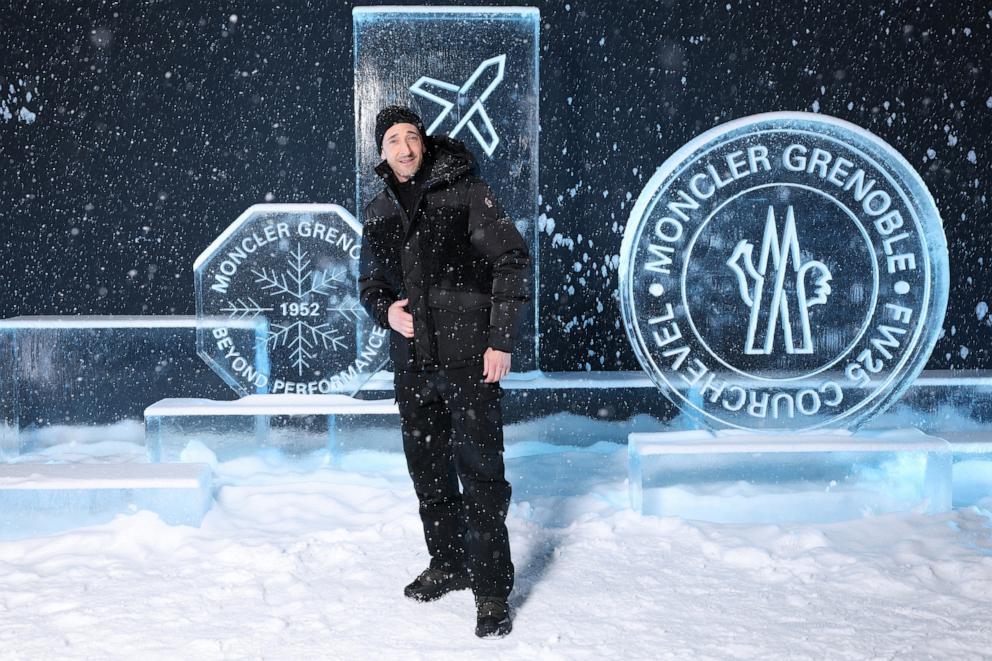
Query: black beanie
<point x="392" y="115"/>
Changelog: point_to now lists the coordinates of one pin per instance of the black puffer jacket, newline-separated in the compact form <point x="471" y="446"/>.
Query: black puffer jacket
<point x="459" y="259"/>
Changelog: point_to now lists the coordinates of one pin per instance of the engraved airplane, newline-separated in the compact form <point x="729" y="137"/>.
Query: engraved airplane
<point x="470" y="107"/>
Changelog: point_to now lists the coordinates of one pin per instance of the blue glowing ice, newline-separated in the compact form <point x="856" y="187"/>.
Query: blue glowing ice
<point x="735" y="476"/>
<point x="42" y="498"/>
<point x="292" y="425"/>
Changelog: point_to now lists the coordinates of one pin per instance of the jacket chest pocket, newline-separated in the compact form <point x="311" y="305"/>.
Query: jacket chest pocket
<point x="461" y="324"/>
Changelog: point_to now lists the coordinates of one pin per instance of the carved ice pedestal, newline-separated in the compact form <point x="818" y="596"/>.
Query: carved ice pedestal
<point x="37" y="499"/>
<point x="812" y="477"/>
<point x="293" y="425"/>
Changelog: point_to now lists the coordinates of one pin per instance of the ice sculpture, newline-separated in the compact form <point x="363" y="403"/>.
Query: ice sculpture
<point x="295" y="267"/>
<point x="736" y="476"/>
<point x="60" y="376"/>
<point x="784" y="271"/>
<point x="294" y="425"/>
<point x="38" y="499"/>
<point x="471" y="73"/>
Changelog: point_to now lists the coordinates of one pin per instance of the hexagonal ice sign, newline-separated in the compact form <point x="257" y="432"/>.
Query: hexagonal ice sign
<point x="291" y="269"/>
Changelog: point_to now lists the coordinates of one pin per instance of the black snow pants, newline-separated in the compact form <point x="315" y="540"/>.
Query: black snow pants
<point x="453" y="432"/>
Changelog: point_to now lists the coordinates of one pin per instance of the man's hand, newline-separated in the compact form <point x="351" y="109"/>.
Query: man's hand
<point x="400" y="320"/>
<point x="495" y="365"/>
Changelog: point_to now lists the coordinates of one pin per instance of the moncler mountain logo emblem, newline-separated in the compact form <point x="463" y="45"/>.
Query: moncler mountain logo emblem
<point x="784" y="271"/>
<point x="779" y="290"/>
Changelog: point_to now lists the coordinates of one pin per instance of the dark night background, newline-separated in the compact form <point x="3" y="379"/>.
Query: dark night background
<point x="156" y="123"/>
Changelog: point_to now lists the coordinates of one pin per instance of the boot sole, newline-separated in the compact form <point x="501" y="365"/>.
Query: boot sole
<point x="502" y="631"/>
<point x="434" y="596"/>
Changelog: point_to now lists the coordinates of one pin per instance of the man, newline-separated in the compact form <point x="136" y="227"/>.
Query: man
<point x="446" y="269"/>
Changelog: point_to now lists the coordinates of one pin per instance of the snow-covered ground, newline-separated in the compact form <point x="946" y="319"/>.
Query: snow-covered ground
<point x="300" y="561"/>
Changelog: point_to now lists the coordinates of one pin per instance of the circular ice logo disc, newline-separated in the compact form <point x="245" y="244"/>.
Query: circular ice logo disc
<point x="784" y="271"/>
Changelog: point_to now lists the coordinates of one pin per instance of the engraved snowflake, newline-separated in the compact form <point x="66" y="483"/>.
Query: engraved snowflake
<point x="295" y="325"/>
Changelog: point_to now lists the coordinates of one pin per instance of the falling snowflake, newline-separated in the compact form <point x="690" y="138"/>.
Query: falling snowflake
<point x="292" y="290"/>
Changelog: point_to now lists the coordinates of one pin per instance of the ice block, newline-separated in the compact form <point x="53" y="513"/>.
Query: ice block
<point x="43" y="498"/>
<point x="295" y="425"/>
<point x="472" y="74"/>
<point x="75" y="371"/>
<point x="735" y="476"/>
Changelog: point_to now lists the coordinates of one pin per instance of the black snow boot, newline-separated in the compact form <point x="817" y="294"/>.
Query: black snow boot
<point x="435" y="583"/>
<point x="493" y="615"/>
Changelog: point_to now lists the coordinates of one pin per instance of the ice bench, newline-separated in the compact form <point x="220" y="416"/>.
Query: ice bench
<point x="749" y="477"/>
<point x="181" y="429"/>
<point x="972" y="465"/>
<point x="43" y="498"/>
<point x="62" y="375"/>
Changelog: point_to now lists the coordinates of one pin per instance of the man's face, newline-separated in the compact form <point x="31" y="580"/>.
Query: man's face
<point x="403" y="150"/>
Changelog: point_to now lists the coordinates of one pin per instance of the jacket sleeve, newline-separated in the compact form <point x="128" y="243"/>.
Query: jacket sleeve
<point x="493" y="233"/>
<point x="373" y="289"/>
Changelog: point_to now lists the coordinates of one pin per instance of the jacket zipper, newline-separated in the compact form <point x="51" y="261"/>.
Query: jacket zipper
<point x="408" y="230"/>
